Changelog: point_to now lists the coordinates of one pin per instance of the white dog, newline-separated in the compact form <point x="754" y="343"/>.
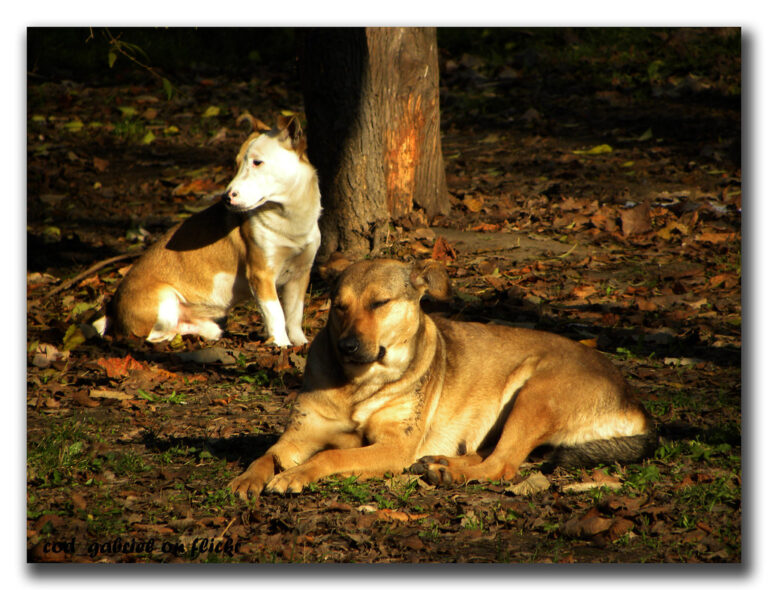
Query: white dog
<point x="260" y="240"/>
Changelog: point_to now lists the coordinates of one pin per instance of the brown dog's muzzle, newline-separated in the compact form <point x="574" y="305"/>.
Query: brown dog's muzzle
<point x="353" y="350"/>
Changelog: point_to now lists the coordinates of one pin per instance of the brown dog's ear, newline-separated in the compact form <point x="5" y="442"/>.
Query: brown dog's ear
<point x="430" y="277"/>
<point x="331" y="269"/>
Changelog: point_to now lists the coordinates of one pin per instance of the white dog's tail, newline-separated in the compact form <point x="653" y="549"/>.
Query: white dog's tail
<point x="101" y="325"/>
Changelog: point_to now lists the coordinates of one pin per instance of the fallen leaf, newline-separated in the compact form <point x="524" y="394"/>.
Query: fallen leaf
<point x="74" y="337"/>
<point x="603" y="148"/>
<point x="584" y="291"/>
<point x="298" y="361"/>
<point x="619" y="528"/>
<point x="727" y="280"/>
<point x="536" y="482"/>
<point x="78" y="501"/>
<point x="645" y="304"/>
<point x="199" y="186"/>
<point x="100" y="164"/>
<point x="127" y="111"/>
<point x="585" y="486"/>
<point x="473" y="204"/>
<point x="400" y="483"/>
<point x="412" y="542"/>
<point x="623" y="503"/>
<point x="586" y="525"/>
<point x="119" y="367"/>
<point x="109" y="394"/>
<point x="84" y="399"/>
<point x="601" y="476"/>
<point x="443" y="251"/>
<point x="281" y="364"/>
<point x="531" y="116"/>
<point x="716" y="237"/>
<point x="154" y="528"/>
<point x="636" y="220"/>
<point x="665" y="233"/>
<point x="389" y="514"/>
<point x="423" y="233"/>
<point x="604" y="219"/>
<point x="486" y="227"/>
<point x="45" y="354"/>
<point x="74" y="126"/>
<point x="213" y="354"/>
<point x="647" y="134"/>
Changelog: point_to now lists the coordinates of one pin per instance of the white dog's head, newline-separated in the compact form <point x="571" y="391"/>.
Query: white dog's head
<point x="271" y="162"/>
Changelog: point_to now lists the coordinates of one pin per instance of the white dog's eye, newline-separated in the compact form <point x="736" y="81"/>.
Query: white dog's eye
<point x="256" y="162"/>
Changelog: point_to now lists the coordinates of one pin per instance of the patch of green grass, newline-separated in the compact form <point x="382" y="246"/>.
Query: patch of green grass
<point x="173" y="454"/>
<point x="123" y="464"/>
<point x="657" y="407"/>
<point x="130" y="129"/>
<point x="641" y="477"/>
<point x="59" y="455"/>
<point x="352" y="490"/>
<point x="431" y="531"/>
<point x="260" y="377"/>
<point x="173" y="398"/>
<point x="105" y="517"/>
<point x="471" y="521"/>
<point x="219" y="498"/>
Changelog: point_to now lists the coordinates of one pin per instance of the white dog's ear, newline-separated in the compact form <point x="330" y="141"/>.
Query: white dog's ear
<point x="430" y="277"/>
<point x="256" y="125"/>
<point x="290" y="131"/>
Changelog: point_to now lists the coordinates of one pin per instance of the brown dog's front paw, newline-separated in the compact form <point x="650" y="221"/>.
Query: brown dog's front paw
<point x="246" y="486"/>
<point x="291" y="481"/>
<point x="433" y="469"/>
<point x="252" y="481"/>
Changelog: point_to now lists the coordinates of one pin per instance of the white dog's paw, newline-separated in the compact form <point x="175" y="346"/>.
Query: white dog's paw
<point x="281" y="341"/>
<point x="297" y="338"/>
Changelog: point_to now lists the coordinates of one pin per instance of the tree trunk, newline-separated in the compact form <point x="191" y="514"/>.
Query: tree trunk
<point x="373" y="128"/>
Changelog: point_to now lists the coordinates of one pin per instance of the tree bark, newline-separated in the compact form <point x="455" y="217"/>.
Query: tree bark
<point x="371" y="98"/>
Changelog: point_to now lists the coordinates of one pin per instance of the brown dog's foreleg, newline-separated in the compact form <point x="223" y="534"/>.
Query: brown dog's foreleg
<point x="307" y="433"/>
<point x="250" y="483"/>
<point x="370" y="461"/>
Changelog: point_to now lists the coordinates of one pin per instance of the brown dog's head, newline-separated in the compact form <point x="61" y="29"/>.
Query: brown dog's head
<point x="375" y="313"/>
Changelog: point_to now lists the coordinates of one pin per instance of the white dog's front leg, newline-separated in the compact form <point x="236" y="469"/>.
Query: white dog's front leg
<point x="292" y="297"/>
<point x="274" y="320"/>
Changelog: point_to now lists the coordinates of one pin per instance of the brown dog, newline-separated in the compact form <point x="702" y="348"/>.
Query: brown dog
<point x="387" y="384"/>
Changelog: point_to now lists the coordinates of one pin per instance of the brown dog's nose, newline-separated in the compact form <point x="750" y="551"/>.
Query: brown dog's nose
<point x="348" y="345"/>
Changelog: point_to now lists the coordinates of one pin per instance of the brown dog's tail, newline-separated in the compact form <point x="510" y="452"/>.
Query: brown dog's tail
<point x="625" y="449"/>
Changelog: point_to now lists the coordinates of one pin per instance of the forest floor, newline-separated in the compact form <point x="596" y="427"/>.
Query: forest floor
<point x="593" y="195"/>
